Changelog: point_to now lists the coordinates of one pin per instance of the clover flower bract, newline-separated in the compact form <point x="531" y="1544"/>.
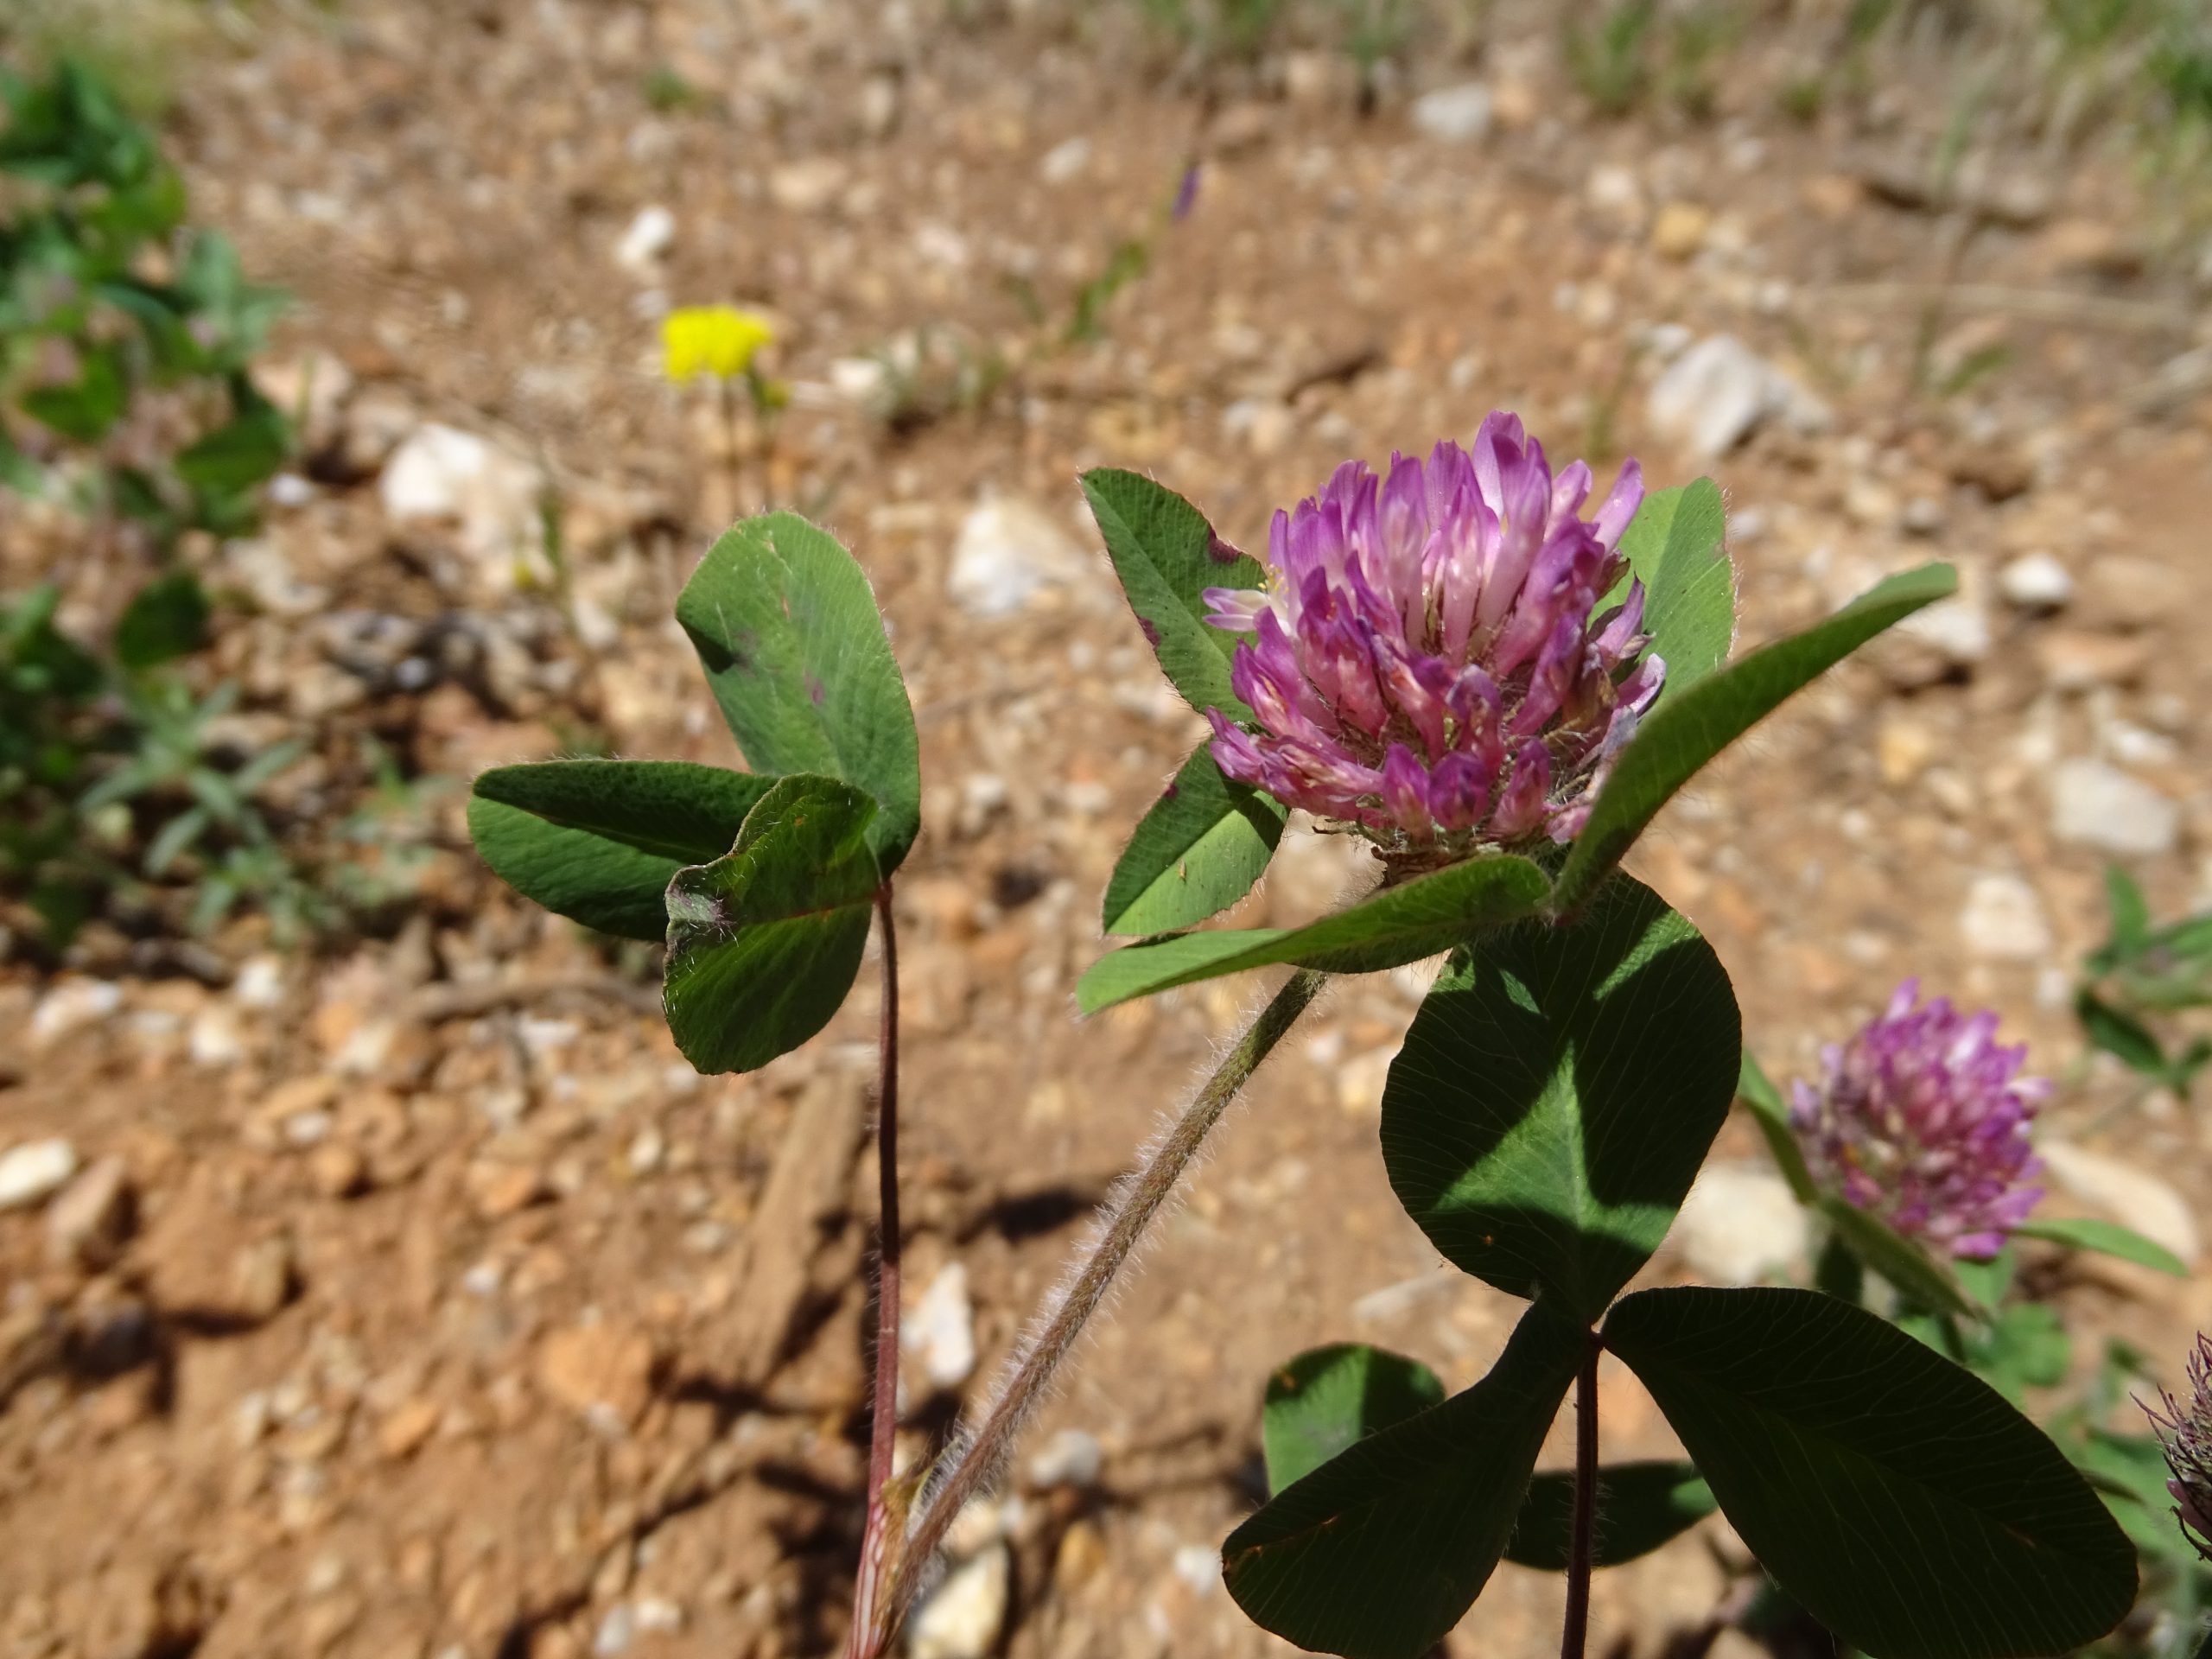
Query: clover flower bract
<point x="2185" y="1435"/>
<point x="1425" y="662"/>
<point x="1924" y="1120"/>
<point x="714" y="340"/>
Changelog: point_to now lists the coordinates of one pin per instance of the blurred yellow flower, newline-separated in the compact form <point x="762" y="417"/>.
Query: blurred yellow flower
<point x="716" y="340"/>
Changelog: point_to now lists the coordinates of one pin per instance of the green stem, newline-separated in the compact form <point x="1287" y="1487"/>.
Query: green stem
<point x="974" y="1462"/>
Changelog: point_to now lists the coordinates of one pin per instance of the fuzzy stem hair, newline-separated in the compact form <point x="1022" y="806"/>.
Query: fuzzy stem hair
<point x="971" y="1465"/>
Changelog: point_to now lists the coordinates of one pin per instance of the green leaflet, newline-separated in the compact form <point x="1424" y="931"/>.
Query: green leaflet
<point x="787" y="629"/>
<point x="1557" y="1093"/>
<point x="763" y="944"/>
<point x="599" y="841"/>
<point x="1196" y="852"/>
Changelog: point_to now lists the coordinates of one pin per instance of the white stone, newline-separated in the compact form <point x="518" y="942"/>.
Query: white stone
<point x="1199" y="1566"/>
<point x="1007" y="553"/>
<point x="2093" y="803"/>
<point x="72" y="1003"/>
<point x="1071" y="1458"/>
<point x="442" y="473"/>
<point x="616" y="1631"/>
<point x="650" y="236"/>
<point x="1454" y="115"/>
<point x="2132" y="1197"/>
<point x="962" y="1618"/>
<point x="1740" y="1225"/>
<point x="1957" y="630"/>
<point x="2003" y="919"/>
<point x="940" y="1329"/>
<point x="1065" y="160"/>
<point x="806" y="185"/>
<point x="864" y="382"/>
<point x="1615" y="192"/>
<point x="2036" y="581"/>
<point x="213" y="1040"/>
<point x="34" y="1171"/>
<point x="1710" y="397"/>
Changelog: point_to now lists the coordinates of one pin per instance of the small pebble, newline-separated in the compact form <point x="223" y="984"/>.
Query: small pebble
<point x="34" y="1171"/>
<point x="2036" y="581"/>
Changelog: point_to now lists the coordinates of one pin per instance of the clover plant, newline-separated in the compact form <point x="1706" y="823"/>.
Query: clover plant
<point x="1496" y="693"/>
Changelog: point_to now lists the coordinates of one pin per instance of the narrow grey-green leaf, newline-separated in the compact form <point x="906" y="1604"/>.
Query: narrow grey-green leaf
<point x="1910" y="1510"/>
<point x="1640" y="1507"/>
<point x="1558" y="1091"/>
<point x="1382" y="1549"/>
<point x="786" y="626"/>
<point x="764" y="944"/>
<point x="1328" y="1398"/>
<point x="1905" y="1263"/>
<point x="1420" y="918"/>
<point x="1198" y="850"/>
<point x="1679" y="738"/>
<point x="1771" y="1113"/>
<point x="1167" y="555"/>
<point x="599" y="841"/>
<point x="1676" y="546"/>
<point x="2106" y="1238"/>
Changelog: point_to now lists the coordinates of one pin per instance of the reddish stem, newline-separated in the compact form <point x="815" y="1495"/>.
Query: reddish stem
<point x="877" y="1542"/>
<point x="1582" y="1551"/>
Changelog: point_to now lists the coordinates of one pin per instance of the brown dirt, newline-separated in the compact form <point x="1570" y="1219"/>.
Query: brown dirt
<point x="450" y="1335"/>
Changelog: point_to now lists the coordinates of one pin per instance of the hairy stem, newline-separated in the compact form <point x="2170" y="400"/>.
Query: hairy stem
<point x="1582" y="1551"/>
<point x="1133" y="1207"/>
<point x="876" y="1541"/>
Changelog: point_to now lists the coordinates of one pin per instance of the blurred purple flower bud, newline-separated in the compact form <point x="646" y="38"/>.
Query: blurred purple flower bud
<point x="1427" y="663"/>
<point x="2185" y="1433"/>
<point x="1187" y="194"/>
<point x="1922" y="1120"/>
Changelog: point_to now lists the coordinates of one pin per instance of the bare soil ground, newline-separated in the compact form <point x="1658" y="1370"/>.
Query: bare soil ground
<point x="456" y="1317"/>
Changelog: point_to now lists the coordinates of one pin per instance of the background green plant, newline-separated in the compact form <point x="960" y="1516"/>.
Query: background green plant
<point x="127" y="338"/>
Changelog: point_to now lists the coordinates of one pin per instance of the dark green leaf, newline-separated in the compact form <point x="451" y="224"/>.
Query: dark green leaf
<point x="1772" y="1113"/>
<point x="166" y="618"/>
<point x="787" y="627"/>
<point x="2120" y="1034"/>
<point x="1380" y="1551"/>
<point x="763" y="944"/>
<point x="1167" y="555"/>
<point x="1328" y="1398"/>
<point x="1640" y="1507"/>
<point x="1196" y="852"/>
<point x="1904" y="1264"/>
<point x="1679" y="738"/>
<point x="87" y="407"/>
<point x="247" y="450"/>
<point x="1417" y="918"/>
<point x="2107" y="1238"/>
<point x="1557" y="1093"/>
<point x="1675" y="545"/>
<point x="599" y="841"/>
<point x="1912" y="1511"/>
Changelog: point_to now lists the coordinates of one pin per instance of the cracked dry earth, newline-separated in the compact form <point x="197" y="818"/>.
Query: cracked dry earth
<point x="433" y="1308"/>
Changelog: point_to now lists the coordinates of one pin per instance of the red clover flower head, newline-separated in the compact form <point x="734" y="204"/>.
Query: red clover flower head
<point x="1924" y="1120"/>
<point x="2185" y="1433"/>
<point x="1425" y="664"/>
